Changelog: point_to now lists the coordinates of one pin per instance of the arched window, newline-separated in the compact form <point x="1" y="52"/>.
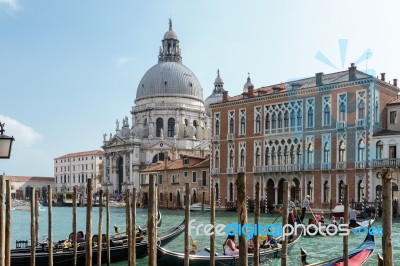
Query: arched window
<point x="379" y="150"/>
<point x="217" y="127"/>
<point x="310" y="154"/>
<point x="242" y="158"/>
<point x="292" y="155"/>
<point x="309" y="189"/>
<point x="267" y="122"/>
<point x="242" y="126"/>
<point x="230" y="191"/>
<point x="341" y="191"/>
<point x="258" y="157"/>
<point x="231" y="125"/>
<point x="326" y="152"/>
<point x="342" y="151"/>
<point x="299" y="118"/>
<point x="266" y="156"/>
<point x="327" y="115"/>
<point x="273" y="156"/>
<point x="273" y="126"/>
<point x="310" y="117"/>
<point x="159" y="126"/>
<point x="279" y="155"/>
<point x="171" y="127"/>
<point x="361" y="110"/>
<point x="360" y="191"/>
<point x="326" y="191"/>
<point x="286" y="119"/>
<point x="280" y="120"/>
<point x="292" y="118"/>
<point x="361" y="151"/>
<point x="231" y="158"/>
<point x="342" y="112"/>
<point x="258" y="124"/>
<point x="216" y="159"/>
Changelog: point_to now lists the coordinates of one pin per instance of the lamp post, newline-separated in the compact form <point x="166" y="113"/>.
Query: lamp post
<point x="5" y="143"/>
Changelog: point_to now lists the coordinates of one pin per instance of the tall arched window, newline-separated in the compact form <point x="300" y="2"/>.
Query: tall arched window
<point x="326" y="152"/>
<point x="258" y="157"/>
<point x="280" y="120"/>
<point x="242" y="158"/>
<point x="266" y="156"/>
<point x="216" y="159"/>
<point x="273" y="156"/>
<point x="310" y="154"/>
<point x="326" y="191"/>
<point x="279" y="155"/>
<point x="309" y="189"/>
<point x="361" y="151"/>
<point x="231" y="158"/>
<point x="379" y="150"/>
<point x="159" y="126"/>
<point x="286" y="119"/>
<point x="217" y="127"/>
<point x="361" y="110"/>
<point x="342" y="151"/>
<point x="360" y="191"/>
<point x="327" y="115"/>
<point x="342" y="112"/>
<point x="341" y="191"/>
<point x="267" y="122"/>
<point x="292" y="155"/>
<point x="171" y="127"/>
<point x="231" y="125"/>
<point x="258" y="124"/>
<point x="299" y="118"/>
<point x="242" y="126"/>
<point x="273" y="126"/>
<point x="310" y="117"/>
<point x="292" y="118"/>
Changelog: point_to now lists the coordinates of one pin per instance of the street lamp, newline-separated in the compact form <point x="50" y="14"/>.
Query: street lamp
<point x="5" y="143"/>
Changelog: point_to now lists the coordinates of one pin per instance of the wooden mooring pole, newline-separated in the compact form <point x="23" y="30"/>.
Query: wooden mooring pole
<point x="33" y="226"/>
<point x="100" y="238"/>
<point x="242" y="217"/>
<point x="187" y="217"/>
<point x="133" y="253"/>
<point x="89" y="209"/>
<point x="8" y="225"/>
<point x="151" y="223"/>
<point x="256" y="240"/>
<point x="212" y="222"/>
<point x="74" y="261"/>
<point x="346" y="221"/>
<point x="128" y="223"/>
<point x="285" y="214"/>
<point x="2" y="221"/>
<point x="387" y="216"/>
<point x="108" y="226"/>
<point x="50" y="223"/>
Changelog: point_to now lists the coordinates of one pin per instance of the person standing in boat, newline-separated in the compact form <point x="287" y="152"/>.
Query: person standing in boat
<point x="305" y="204"/>
<point x="353" y="218"/>
<point x="291" y="212"/>
<point x="230" y="246"/>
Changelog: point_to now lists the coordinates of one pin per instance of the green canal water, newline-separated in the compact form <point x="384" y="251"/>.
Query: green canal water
<point x="318" y="247"/>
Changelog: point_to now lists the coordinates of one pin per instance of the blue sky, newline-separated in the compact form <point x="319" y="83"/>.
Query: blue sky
<point x="69" y="69"/>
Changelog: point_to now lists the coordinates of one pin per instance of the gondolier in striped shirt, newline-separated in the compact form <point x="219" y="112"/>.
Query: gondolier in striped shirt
<point x="305" y="204"/>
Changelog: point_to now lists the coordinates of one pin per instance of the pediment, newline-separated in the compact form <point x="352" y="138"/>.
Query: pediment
<point x="115" y="141"/>
<point x="160" y="145"/>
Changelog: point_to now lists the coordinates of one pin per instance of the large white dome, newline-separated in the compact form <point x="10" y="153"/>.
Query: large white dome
<point x="169" y="79"/>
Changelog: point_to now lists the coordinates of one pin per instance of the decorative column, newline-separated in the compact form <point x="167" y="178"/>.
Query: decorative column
<point x="276" y="194"/>
<point x="123" y="167"/>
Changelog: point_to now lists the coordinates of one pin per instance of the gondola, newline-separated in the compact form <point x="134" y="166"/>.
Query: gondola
<point x="358" y="256"/>
<point x="118" y="251"/>
<point x="202" y="257"/>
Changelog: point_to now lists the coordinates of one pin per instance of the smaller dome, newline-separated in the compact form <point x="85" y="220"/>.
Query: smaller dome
<point x="247" y="84"/>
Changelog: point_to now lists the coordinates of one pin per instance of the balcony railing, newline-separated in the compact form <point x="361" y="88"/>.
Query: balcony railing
<point x="215" y="138"/>
<point x="308" y="166"/>
<point x="341" y="165"/>
<point x="325" y="166"/>
<point x="241" y="169"/>
<point x="360" y="165"/>
<point x="294" y="167"/>
<point x="360" y="123"/>
<point x="215" y="171"/>
<point x="394" y="162"/>
<point x="257" y="169"/>
<point x="229" y="170"/>
<point x="340" y="125"/>
<point x="230" y="136"/>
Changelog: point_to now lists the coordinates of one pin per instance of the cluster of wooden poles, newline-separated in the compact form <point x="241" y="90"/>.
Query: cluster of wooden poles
<point x="130" y="199"/>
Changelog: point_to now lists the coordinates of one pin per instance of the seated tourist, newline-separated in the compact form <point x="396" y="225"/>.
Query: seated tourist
<point x="333" y="220"/>
<point x="230" y="247"/>
<point x="270" y="242"/>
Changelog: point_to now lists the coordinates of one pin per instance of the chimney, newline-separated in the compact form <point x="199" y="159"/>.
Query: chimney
<point x="383" y="76"/>
<point x="225" y="96"/>
<point x="352" y="71"/>
<point x="165" y="160"/>
<point x="318" y="78"/>
<point x="395" y="82"/>
<point x="250" y="91"/>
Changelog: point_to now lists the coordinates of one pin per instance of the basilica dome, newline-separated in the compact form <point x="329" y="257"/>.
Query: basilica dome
<point x="169" y="79"/>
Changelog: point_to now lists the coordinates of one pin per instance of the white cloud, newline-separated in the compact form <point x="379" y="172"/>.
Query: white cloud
<point x="122" y="60"/>
<point x="11" y="5"/>
<point x="22" y="133"/>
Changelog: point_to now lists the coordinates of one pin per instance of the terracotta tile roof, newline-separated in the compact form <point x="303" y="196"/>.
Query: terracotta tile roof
<point x="83" y="153"/>
<point x="194" y="162"/>
<point x="386" y="133"/>
<point x="29" y="178"/>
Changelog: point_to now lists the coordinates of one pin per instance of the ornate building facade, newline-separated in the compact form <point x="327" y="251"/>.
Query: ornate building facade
<point x="316" y="133"/>
<point x="169" y="118"/>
